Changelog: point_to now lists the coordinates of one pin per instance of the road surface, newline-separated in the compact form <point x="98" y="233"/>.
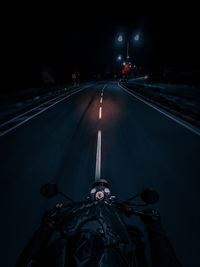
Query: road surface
<point x="100" y="131"/>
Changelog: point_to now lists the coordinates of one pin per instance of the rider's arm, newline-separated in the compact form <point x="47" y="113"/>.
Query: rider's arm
<point x="42" y="236"/>
<point x="162" y="252"/>
<point x="37" y="242"/>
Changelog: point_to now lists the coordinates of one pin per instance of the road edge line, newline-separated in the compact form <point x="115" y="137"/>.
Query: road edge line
<point x="41" y="111"/>
<point x="173" y="117"/>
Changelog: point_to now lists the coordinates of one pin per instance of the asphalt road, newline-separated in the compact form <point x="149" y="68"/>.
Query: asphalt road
<point x="138" y="148"/>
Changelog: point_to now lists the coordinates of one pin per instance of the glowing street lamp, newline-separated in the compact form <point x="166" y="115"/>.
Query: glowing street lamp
<point x="137" y="37"/>
<point x="119" y="58"/>
<point x="120" y="38"/>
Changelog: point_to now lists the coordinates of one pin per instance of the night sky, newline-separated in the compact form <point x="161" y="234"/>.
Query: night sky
<point x="84" y="38"/>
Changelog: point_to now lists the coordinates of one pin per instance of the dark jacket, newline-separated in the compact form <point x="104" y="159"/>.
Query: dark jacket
<point x="117" y="245"/>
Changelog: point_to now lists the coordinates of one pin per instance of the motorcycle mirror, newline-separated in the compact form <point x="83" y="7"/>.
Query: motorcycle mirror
<point x="49" y="190"/>
<point x="149" y="196"/>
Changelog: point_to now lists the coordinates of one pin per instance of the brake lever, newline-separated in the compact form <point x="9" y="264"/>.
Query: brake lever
<point x="137" y="212"/>
<point x="131" y="211"/>
<point x="128" y="210"/>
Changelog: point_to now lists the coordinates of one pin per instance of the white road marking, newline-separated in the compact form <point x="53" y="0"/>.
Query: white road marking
<point x="35" y="108"/>
<point x="102" y="91"/>
<point x="101" y="94"/>
<point x="101" y="100"/>
<point x="4" y="132"/>
<point x="98" y="157"/>
<point x="104" y="87"/>
<point x="167" y="114"/>
<point x="21" y="118"/>
<point x="100" y="112"/>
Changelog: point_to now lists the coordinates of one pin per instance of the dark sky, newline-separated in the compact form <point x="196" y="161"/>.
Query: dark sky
<point x="84" y="37"/>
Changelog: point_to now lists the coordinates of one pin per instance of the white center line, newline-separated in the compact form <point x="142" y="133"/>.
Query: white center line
<point x="104" y="87"/>
<point x="101" y="100"/>
<point x="98" y="157"/>
<point x="100" y="112"/>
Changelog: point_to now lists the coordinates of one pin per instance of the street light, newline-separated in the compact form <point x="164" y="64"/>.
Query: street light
<point x="120" y="38"/>
<point x="119" y="58"/>
<point x="137" y="37"/>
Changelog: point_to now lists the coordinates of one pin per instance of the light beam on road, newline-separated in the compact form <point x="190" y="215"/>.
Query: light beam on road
<point x="98" y="157"/>
<point x="100" y="112"/>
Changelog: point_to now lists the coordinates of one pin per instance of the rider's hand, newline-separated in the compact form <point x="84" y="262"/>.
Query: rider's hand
<point x="51" y="217"/>
<point x="127" y="210"/>
<point x="151" y="217"/>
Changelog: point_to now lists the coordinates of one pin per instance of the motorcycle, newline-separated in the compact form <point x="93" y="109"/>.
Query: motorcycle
<point x="98" y="224"/>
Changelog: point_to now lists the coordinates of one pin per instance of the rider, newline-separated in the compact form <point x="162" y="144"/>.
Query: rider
<point x="92" y="242"/>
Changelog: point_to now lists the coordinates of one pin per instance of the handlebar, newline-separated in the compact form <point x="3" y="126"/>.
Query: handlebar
<point x="126" y="209"/>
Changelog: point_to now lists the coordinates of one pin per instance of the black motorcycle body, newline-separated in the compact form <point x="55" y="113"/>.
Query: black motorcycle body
<point x="92" y="232"/>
